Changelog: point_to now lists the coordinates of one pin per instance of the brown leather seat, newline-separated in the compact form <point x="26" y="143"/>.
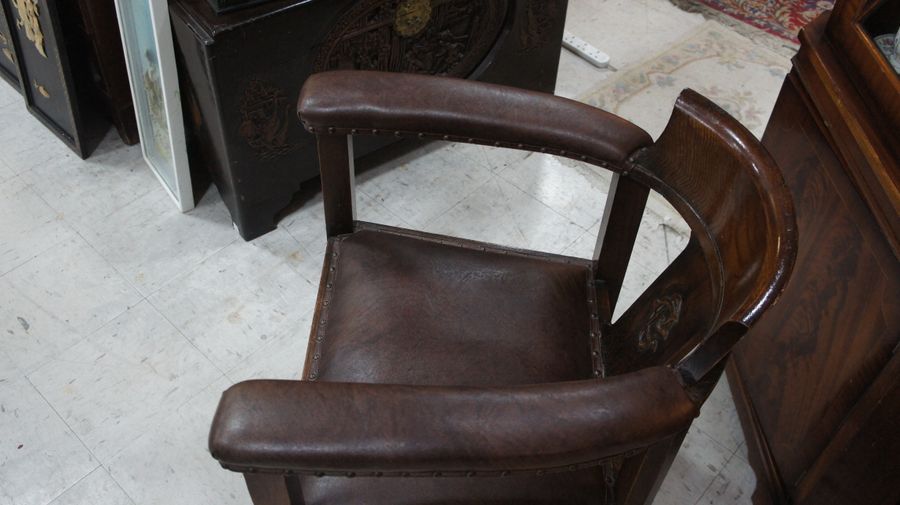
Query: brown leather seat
<point x="406" y="308"/>
<point x="415" y="308"/>
<point x="448" y="371"/>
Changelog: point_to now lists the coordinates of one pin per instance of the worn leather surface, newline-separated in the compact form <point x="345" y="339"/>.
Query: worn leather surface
<point x="406" y="310"/>
<point x="364" y="428"/>
<point x="494" y="342"/>
<point x="467" y="109"/>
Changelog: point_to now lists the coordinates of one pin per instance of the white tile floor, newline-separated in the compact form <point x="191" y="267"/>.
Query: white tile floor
<point x="122" y="320"/>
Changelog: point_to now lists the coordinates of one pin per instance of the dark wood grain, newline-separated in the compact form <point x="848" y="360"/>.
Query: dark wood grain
<point x="850" y="32"/>
<point x="641" y="476"/>
<point x="811" y="413"/>
<point x="769" y="488"/>
<point x="336" y="160"/>
<point x="746" y="262"/>
<point x="860" y="451"/>
<point x="839" y="324"/>
<point x="862" y="131"/>
<point x="273" y="489"/>
<point x="621" y="220"/>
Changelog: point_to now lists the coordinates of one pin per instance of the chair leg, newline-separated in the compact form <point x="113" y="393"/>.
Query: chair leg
<point x="338" y="187"/>
<point x="640" y="476"/>
<point x="274" y="489"/>
<point x="621" y="219"/>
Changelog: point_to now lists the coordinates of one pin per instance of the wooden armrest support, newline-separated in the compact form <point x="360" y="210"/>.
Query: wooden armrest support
<point x="465" y="111"/>
<point x="376" y="429"/>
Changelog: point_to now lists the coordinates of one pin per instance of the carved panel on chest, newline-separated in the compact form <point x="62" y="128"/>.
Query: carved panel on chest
<point x="266" y="115"/>
<point x="441" y="37"/>
<point x="538" y="28"/>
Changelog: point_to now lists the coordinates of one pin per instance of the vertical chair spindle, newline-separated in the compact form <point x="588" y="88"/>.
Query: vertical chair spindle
<point x="621" y="219"/>
<point x="338" y="188"/>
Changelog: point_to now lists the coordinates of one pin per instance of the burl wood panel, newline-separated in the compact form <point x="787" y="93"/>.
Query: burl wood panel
<point x="832" y="481"/>
<point x="836" y="325"/>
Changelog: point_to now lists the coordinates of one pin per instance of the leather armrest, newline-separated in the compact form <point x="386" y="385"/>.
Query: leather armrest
<point x="377" y="429"/>
<point x="467" y="111"/>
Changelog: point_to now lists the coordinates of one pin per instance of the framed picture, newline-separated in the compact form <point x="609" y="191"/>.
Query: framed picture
<point x="150" y="58"/>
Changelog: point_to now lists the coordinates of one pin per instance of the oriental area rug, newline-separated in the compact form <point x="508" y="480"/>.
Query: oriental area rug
<point x="780" y="18"/>
<point x="741" y="76"/>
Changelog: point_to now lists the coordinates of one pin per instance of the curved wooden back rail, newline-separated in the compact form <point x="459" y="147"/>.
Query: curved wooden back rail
<point x="731" y="193"/>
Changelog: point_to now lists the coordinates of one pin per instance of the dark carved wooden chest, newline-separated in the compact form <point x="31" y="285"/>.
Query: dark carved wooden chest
<point x="241" y="73"/>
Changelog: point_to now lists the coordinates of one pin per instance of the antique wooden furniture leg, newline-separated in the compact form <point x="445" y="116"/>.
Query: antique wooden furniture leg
<point x="625" y="204"/>
<point x="337" y="185"/>
<point x="640" y="476"/>
<point x="274" y="489"/>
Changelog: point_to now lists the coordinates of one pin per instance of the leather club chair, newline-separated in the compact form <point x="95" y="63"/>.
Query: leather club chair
<point x="443" y="370"/>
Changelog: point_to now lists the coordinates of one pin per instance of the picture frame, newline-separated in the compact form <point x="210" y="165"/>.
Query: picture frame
<point x="153" y="77"/>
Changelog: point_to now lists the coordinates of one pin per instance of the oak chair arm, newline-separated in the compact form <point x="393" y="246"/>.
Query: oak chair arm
<point x="362" y="102"/>
<point x="395" y="430"/>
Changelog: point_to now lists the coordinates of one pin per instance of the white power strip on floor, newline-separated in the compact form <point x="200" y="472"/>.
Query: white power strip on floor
<point x="584" y="50"/>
